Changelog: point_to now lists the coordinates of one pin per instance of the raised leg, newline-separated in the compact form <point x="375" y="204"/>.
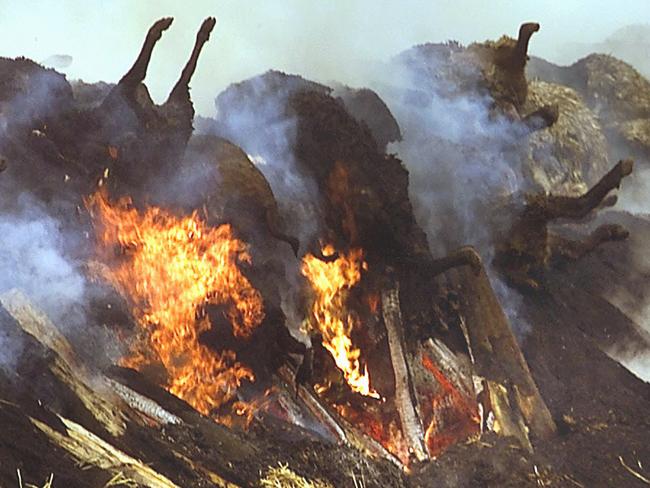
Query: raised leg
<point x="525" y="33"/>
<point x="181" y="91"/>
<point x="555" y="207"/>
<point x="138" y="71"/>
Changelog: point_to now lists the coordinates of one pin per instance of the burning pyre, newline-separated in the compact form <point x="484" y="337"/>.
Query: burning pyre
<point x="184" y="279"/>
<point x="170" y="269"/>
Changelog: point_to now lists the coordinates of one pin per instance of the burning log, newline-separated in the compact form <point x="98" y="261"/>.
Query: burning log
<point x="312" y="402"/>
<point x="530" y="247"/>
<point x="62" y="413"/>
<point x="498" y="359"/>
<point x="405" y="404"/>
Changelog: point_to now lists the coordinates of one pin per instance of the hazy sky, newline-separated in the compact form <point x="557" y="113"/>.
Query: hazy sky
<point x="322" y="39"/>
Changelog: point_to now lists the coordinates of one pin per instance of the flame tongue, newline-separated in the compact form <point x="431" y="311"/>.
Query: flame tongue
<point x="330" y="282"/>
<point x="171" y="269"/>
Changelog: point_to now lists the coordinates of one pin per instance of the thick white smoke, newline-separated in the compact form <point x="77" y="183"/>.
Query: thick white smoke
<point x="460" y="158"/>
<point x="32" y="259"/>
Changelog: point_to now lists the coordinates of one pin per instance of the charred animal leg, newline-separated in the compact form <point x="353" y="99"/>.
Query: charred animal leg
<point x="608" y="202"/>
<point x="525" y="33"/>
<point x="181" y="91"/>
<point x="555" y="207"/>
<point x="464" y="256"/>
<point x="138" y="71"/>
<point x="568" y="249"/>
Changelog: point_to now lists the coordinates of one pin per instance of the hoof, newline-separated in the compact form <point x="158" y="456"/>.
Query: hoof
<point x="612" y="232"/>
<point x="531" y="26"/>
<point x="625" y="167"/>
<point x="473" y="258"/>
<point x="160" y="26"/>
<point x="206" y="28"/>
<point x="610" y="201"/>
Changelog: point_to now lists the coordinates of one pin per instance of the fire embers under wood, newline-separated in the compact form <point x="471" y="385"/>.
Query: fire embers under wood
<point x="451" y="410"/>
<point x="330" y="317"/>
<point x="414" y="403"/>
<point x="169" y="269"/>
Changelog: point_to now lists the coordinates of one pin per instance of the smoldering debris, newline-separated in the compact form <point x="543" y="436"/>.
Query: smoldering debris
<point x="282" y="148"/>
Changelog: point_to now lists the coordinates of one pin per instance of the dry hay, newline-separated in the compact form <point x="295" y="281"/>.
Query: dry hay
<point x="570" y="156"/>
<point x="283" y="477"/>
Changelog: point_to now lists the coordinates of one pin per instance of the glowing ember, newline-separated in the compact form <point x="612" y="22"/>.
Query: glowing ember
<point x="380" y="424"/>
<point x="330" y="282"/>
<point x="170" y="269"/>
<point x="454" y="417"/>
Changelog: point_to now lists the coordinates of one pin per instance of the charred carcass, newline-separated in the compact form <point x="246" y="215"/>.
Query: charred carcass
<point x="235" y="191"/>
<point x="530" y="246"/>
<point x="148" y="139"/>
<point x="125" y="135"/>
<point x="492" y="69"/>
<point x="386" y="270"/>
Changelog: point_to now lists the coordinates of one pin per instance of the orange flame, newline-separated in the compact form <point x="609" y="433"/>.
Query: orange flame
<point x="330" y="282"/>
<point x="171" y="268"/>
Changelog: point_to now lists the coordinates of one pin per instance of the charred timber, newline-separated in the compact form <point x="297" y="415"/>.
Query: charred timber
<point x="404" y="402"/>
<point x="498" y="359"/>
